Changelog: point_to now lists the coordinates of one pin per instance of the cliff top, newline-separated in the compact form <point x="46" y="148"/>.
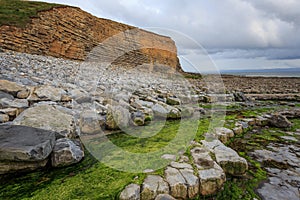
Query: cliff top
<point x="18" y="12"/>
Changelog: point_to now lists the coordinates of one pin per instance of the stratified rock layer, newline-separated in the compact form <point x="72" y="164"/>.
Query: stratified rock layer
<point x="69" y="32"/>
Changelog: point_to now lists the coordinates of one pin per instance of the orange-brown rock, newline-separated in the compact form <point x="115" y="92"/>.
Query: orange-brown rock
<point x="71" y="33"/>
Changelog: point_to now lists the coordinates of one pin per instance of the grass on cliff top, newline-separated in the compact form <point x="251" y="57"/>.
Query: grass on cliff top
<point x="18" y="13"/>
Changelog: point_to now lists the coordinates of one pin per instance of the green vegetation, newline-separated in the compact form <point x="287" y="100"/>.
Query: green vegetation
<point x="91" y="179"/>
<point x="18" y="13"/>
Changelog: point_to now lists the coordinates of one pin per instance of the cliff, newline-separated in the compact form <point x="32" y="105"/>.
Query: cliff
<point x="72" y="33"/>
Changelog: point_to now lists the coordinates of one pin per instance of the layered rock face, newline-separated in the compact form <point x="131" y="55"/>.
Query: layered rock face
<point x="69" y="32"/>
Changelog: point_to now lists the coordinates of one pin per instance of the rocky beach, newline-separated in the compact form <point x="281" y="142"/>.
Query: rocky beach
<point x="96" y="109"/>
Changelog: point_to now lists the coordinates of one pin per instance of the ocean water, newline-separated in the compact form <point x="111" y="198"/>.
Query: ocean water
<point x="267" y="74"/>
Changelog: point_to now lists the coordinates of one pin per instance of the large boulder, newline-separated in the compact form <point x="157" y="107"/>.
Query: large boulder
<point x="24" y="148"/>
<point x="131" y="192"/>
<point x="66" y="152"/>
<point x="49" y="118"/>
<point x="152" y="186"/>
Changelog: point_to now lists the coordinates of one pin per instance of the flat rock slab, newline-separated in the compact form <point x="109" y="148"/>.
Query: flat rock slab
<point x="152" y="186"/>
<point x="192" y="182"/>
<point x="201" y="158"/>
<point x="131" y="192"/>
<point x="49" y="118"/>
<point x="177" y="183"/>
<point x="24" y="148"/>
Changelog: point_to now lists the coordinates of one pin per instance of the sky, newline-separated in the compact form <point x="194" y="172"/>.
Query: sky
<point x="236" y="34"/>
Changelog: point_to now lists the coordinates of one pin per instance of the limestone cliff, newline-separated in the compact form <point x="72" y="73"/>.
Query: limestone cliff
<point x="71" y="33"/>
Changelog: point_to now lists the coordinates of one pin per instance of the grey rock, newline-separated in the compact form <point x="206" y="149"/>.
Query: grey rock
<point x="49" y="118"/>
<point x="4" y="118"/>
<point x="131" y="192"/>
<point x="178" y="165"/>
<point x="117" y="117"/>
<point x="90" y="122"/>
<point x="201" y="158"/>
<point x="169" y="157"/>
<point x="164" y="197"/>
<point x="159" y="111"/>
<point x="279" y="121"/>
<point x="66" y="152"/>
<point x="173" y="101"/>
<point x="152" y="186"/>
<point x="10" y="87"/>
<point x="223" y="134"/>
<point x="6" y="95"/>
<point x="178" y="188"/>
<point x="230" y="161"/>
<point x="192" y="182"/>
<point x="16" y="103"/>
<point x="47" y="92"/>
<point x="24" y="148"/>
<point x="211" y="180"/>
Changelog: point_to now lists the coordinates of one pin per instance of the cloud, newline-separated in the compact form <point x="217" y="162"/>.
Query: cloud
<point x="229" y="29"/>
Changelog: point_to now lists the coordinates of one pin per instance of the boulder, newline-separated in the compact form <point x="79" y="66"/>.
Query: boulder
<point x="49" y="93"/>
<point x="4" y="118"/>
<point x="177" y="183"/>
<point x="138" y="118"/>
<point x="223" y="134"/>
<point x="90" y="122"/>
<point x="131" y="192"/>
<point x="279" y="121"/>
<point x="238" y="130"/>
<point x="49" y="118"/>
<point x="152" y="186"/>
<point x="24" y="148"/>
<point x="66" y="152"/>
<point x="11" y="112"/>
<point x="173" y="101"/>
<point x="202" y="158"/>
<point x="16" y="103"/>
<point x="211" y="180"/>
<point x="10" y="87"/>
<point x="192" y="182"/>
<point x="117" y="117"/>
<point x="6" y="95"/>
<point x="159" y="111"/>
<point x="186" y="111"/>
<point x="240" y="97"/>
<point x="230" y="161"/>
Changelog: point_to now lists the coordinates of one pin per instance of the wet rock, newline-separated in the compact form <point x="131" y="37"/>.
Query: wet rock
<point x="152" y="186"/>
<point x="177" y="183"/>
<point x="164" y="197"/>
<point x="279" y="121"/>
<point x="117" y="117"/>
<point x="131" y="192"/>
<point x="24" y="148"/>
<point x="66" y="152"/>
<point x="10" y="87"/>
<point x="49" y="118"/>
<point x="276" y="189"/>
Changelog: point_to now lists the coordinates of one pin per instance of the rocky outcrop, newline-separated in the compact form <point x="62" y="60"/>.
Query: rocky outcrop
<point x="69" y="32"/>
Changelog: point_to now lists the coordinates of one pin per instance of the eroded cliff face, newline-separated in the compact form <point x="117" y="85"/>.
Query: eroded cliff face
<point x="71" y="33"/>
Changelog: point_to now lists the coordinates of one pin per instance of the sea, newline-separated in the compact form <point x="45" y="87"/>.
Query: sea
<point x="265" y="74"/>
